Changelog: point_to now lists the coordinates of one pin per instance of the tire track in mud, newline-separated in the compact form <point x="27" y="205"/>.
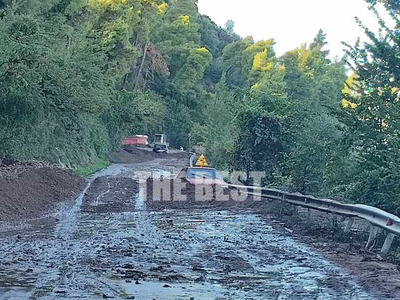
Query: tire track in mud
<point x="63" y="251"/>
<point x="217" y="253"/>
<point x="45" y="257"/>
<point x="206" y="255"/>
<point x="47" y="266"/>
<point x="73" y="276"/>
<point x="170" y="254"/>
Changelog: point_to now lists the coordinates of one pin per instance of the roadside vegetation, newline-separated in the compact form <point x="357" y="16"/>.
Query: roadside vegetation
<point x="86" y="170"/>
<point x="77" y="76"/>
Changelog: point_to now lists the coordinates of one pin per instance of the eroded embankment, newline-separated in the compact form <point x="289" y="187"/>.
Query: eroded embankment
<point x="29" y="190"/>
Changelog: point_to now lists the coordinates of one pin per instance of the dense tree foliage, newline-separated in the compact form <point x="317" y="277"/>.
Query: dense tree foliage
<point x="77" y="76"/>
<point x="372" y="113"/>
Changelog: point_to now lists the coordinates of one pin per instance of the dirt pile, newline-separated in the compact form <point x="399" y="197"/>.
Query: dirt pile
<point x="134" y="155"/>
<point x="29" y="190"/>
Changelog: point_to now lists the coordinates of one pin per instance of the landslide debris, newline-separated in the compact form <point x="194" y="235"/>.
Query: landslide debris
<point x="30" y="190"/>
<point x="109" y="194"/>
<point x="134" y="155"/>
<point x="163" y="194"/>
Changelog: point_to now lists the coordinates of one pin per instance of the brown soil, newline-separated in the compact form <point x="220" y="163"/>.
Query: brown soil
<point x="125" y="157"/>
<point x="31" y="190"/>
<point x="134" y="155"/>
<point x="111" y="195"/>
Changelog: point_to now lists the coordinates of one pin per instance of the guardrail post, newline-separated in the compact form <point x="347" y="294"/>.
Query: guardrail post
<point x="388" y="243"/>
<point x="308" y="215"/>
<point x="349" y="225"/>
<point x="372" y="236"/>
<point x="282" y="206"/>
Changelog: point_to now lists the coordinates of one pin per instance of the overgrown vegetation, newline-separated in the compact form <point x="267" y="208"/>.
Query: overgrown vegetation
<point x="77" y="76"/>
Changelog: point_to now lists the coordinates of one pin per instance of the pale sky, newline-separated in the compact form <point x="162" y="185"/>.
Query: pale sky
<point x="293" y="22"/>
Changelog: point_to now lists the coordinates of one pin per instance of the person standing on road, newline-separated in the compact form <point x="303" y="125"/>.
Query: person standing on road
<point x="193" y="159"/>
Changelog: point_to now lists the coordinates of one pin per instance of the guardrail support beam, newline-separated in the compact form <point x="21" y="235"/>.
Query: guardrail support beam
<point x="377" y="218"/>
<point x="349" y="225"/>
<point x="282" y="208"/>
<point x="372" y="236"/>
<point x="308" y="215"/>
<point x="388" y="243"/>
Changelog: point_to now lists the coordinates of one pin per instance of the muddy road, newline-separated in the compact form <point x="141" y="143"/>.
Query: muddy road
<point x="108" y="244"/>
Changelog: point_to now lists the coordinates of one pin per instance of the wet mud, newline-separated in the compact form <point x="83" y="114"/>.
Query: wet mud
<point x="109" y="194"/>
<point x="110" y="244"/>
<point x="179" y="194"/>
<point x="377" y="273"/>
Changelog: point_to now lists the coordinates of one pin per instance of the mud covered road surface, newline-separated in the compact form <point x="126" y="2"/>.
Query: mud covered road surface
<point x="108" y="244"/>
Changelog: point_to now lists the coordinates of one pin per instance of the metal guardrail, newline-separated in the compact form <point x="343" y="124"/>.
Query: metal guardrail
<point x="378" y="218"/>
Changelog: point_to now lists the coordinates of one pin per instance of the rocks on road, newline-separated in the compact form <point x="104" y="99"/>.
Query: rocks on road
<point x="110" y="244"/>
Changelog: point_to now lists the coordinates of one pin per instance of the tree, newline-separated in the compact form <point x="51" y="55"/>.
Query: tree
<point x="319" y="43"/>
<point x="314" y="87"/>
<point x="237" y="64"/>
<point x="180" y="8"/>
<point x="51" y="93"/>
<point x="230" y="27"/>
<point x="393" y="6"/>
<point x="371" y="123"/>
<point x="218" y="132"/>
<point x="261" y="143"/>
<point x="192" y="71"/>
<point x="114" y="27"/>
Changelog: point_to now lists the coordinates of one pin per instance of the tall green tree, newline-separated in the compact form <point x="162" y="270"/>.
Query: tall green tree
<point x="314" y="87"/>
<point x="371" y="122"/>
